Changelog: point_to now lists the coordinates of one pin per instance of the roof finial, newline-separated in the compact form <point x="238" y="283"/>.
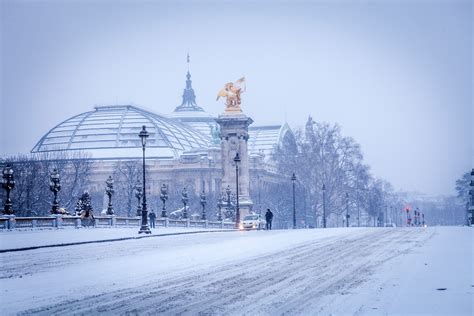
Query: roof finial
<point x="189" y="98"/>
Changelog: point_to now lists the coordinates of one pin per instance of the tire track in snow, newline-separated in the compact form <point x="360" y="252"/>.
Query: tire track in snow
<point x="124" y="298"/>
<point x="357" y="270"/>
<point x="295" y="277"/>
<point x="294" y="297"/>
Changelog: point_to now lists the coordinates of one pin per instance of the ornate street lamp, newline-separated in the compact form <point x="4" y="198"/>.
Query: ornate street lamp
<point x="164" y="197"/>
<point x="8" y="183"/>
<point x="185" y="199"/>
<point x="220" y="201"/>
<point x="237" y="208"/>
<point x="55" y="187"/>
<point x="293" y="179"/>
<point x="109" y="190"/>
<point x="203" y="204"/>
<point x="144" y="228"/>
<point x="138" y="195"/>
<point x="324" y="205"/>
<point x="347" y="210"/>
<point x="227" y="192"/>
<point x="228" y="201"/>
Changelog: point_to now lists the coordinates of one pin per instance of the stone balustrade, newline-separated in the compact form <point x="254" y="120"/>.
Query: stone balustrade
<point x="9" y="222"/>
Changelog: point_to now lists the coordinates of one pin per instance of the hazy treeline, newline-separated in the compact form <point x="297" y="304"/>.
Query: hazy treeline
<point x="324" y="156"/>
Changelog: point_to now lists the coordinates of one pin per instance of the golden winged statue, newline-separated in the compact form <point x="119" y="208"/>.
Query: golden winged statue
<point x="232" y="91"/>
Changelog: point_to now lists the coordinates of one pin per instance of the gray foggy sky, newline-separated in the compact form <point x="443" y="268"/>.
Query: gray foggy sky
<point x="396" y="75"/>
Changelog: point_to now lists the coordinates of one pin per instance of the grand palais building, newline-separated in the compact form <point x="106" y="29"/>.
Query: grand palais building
<point x="183" y="149"/>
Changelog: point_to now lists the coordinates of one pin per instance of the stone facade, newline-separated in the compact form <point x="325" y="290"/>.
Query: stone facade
<point x="234" y="137"/>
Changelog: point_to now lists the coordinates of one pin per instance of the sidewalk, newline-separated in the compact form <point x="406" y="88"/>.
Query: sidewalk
<point x="34" y="239"/>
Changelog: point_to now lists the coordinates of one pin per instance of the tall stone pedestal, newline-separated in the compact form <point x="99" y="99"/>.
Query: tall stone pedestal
<point x="234" y="136"/>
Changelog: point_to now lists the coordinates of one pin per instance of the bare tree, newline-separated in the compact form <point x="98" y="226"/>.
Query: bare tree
<point x="325" y="156"/>
<point x="463" y="187"/>
<point x="126" y="176"/>
<point x="31" y="196"/>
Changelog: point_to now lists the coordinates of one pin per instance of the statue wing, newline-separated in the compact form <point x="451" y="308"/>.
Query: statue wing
<point x="241" y="80"/>
<point x="240" y="84"/>
<point x="221" y="93"/>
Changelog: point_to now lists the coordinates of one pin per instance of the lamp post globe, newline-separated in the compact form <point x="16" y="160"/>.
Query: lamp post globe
<point x="237" y="207"/>
<point x="144" y="227"/>
<point x="293" y="180"/>
<point x="55" y="187"/>
<point x="324" y="205"/>
<point x="8" y="183"/>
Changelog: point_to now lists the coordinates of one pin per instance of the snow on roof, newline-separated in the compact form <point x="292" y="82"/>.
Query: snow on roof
<point x="111" y="131"/>
<point x="264" y="139"/>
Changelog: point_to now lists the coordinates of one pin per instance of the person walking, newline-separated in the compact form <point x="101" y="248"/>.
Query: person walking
<point x="269" y="218"/>
<point x="152" y="216"/>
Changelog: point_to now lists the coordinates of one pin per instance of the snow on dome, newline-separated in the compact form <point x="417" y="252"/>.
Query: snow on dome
<point x="112" y="132"/>
<point x="265" y="139"/>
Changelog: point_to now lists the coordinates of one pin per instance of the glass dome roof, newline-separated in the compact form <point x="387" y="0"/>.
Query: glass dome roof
<point x="112" y="132"/>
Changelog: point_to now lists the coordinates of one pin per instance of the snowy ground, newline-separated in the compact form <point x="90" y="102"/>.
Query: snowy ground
<point x="362" y="271"/>
<point x="37" y="238"/>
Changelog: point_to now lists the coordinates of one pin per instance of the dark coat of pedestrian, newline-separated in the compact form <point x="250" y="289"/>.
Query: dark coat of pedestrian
<point x="152" y="216"/>
<point x="269" y="218"/>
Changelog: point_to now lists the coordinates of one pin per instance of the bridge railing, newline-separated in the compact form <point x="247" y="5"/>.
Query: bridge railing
<point x="8" y="222"/>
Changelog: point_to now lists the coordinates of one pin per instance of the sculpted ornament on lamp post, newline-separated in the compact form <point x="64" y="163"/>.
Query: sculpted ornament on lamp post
<point x="220" y="201"/>
<point x="55" y="187"/>
<point x="184" y="199"/>
<point x="203" y="204"/>
<point x="228" y="201"/>
<point x="164" y="197"/>
<point x="109" y="190"/>
<point x="8" y="183"/>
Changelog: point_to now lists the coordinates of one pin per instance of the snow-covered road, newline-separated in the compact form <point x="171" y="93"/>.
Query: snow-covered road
<point x="338" y="271"/>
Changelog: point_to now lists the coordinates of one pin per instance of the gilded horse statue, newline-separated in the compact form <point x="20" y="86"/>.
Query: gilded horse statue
<point x="231" y="92"/>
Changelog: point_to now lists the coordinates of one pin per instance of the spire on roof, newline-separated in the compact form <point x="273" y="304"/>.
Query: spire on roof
<point x="189" y="98"/>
